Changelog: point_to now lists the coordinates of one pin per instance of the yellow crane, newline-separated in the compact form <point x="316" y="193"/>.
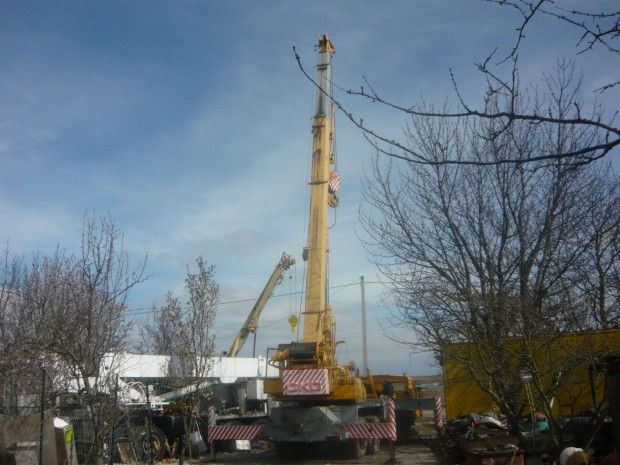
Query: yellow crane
<point x="308" y="367"/>
<point x="251" y="322"/>
<point x="317" y="397"/>
<point x="317" y="402"/>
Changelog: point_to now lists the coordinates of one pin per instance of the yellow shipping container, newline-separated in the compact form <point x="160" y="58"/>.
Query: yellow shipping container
<point x="565" y="360"/>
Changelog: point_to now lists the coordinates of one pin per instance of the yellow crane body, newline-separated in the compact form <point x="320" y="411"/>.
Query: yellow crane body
<point x="315" y="400"/>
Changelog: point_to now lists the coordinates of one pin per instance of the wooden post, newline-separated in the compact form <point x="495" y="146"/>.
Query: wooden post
<point x="149" y="430"/>
<point x="112" y="442"/>
<point x="212" y="422"/>
<point x="42" y="410"/>
<point x="392" y="458"/>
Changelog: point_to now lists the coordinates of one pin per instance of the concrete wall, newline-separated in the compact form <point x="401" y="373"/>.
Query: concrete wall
<point x="21" y="435"/>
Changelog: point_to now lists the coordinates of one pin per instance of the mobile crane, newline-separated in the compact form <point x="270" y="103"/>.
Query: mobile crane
<point x="321" y="401"/>
<point x="317" y="401"/>
<point x="308" y="368"/>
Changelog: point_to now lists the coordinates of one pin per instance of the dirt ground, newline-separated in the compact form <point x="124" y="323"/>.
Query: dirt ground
<point x="417" y="451"/>
<point x="414" y="453"/>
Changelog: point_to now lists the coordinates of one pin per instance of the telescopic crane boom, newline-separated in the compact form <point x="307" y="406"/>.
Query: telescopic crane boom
<point x="313" y="359"/>
<point x="251" y="323"/>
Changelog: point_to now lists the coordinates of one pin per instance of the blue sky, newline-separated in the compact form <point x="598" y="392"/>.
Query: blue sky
<point x="189" y="122"/>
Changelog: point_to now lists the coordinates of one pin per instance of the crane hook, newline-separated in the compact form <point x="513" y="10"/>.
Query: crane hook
<point x="333" y="200"/>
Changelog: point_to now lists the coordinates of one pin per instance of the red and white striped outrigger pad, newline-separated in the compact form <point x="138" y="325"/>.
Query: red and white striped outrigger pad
<point x="238" y="432"/>
<point x="375" y="430"/>
<point x="305" y="382"/>
<point x="371" y="431"/>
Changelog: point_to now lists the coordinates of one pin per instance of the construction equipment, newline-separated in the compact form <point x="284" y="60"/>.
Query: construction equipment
<point x="403" y="390"/>
<point x="251" y="323"/>
<point x="463" y="395"/>
<point x="314" y="357"/>
<point x="319" y="400"/>
<point x="315" y="400"/>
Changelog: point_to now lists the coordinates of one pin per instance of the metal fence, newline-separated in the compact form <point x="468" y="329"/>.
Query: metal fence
<point x="83" y="428"/>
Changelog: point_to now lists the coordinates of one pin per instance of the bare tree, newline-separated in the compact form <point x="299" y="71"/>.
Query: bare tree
<point x="161" y="335"/>
<point x="67" y="310"/>
<point x="594" y="29"/>
<point x="12" y="376"/>
<point x="80" y="300"/>
<point x="186" y="334"/>
<point x="481" y="261"/>
<point x="596" y="284"/>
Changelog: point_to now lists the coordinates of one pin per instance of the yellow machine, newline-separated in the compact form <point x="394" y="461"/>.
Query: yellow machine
<point x="308" y="369"/>
<point x="315" y="396"/>
<point x="317" y="400"/>
<point x="463" y="394"/>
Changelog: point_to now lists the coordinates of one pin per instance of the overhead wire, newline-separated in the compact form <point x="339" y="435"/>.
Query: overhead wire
<point x="149" y="310"/>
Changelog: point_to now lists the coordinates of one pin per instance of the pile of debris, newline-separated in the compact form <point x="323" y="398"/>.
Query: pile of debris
<point x="485" y="438"/>
<point x="481" y="438"/>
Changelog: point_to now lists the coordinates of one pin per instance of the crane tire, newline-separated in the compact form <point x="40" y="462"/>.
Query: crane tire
<point x="354" y="448"/>
<point x="157" y="441"/>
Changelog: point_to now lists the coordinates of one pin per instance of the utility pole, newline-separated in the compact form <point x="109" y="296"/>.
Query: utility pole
<point x="149" y="423"/>
<point x="364" y="345"/>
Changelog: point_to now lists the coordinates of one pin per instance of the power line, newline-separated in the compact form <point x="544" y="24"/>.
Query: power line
<point x="147" y="311"/>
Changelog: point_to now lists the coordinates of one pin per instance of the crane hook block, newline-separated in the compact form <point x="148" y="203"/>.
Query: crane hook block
<point x="293" y="320"/>
<point x="333" y="200"/>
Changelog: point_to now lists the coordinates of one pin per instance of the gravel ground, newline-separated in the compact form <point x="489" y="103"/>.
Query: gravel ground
<point x="419" y="451"/>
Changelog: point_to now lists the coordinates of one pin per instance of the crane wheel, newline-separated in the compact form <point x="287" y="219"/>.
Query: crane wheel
<point x="156" y="445"/>
<point x="354" y="448"/>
